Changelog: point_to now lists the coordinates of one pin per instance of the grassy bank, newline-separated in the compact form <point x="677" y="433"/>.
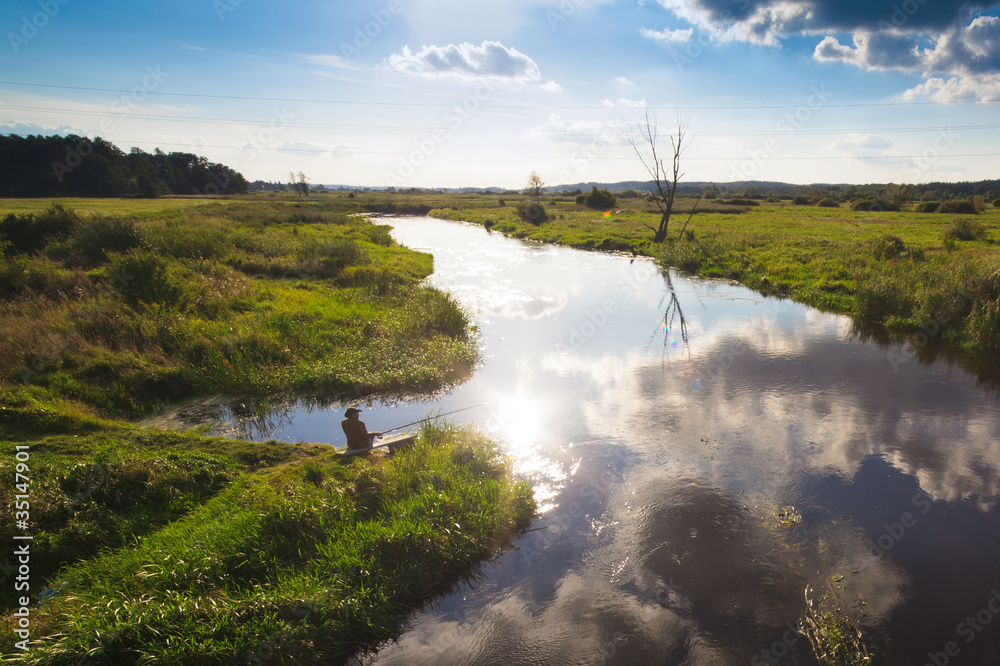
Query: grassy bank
<point x="124" y="313"/>
<point x="932" y="276"/>
<point x="298" y="556"/>
<point x="156" y="546"/>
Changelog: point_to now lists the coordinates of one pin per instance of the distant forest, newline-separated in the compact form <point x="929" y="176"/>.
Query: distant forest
<point x="74" y="166"/>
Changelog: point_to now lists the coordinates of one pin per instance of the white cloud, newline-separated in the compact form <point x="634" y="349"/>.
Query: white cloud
<point x="489" y="59"/>
<point x="969" y="55"/>
<point x="668" y="36"/>
<point x="948" y="39"/>
<point x="875" y="51"/>
<point x="624" y="103"/>
<point x="861" y="143"/>
<point x="604" y="132"/>
<point x="623" y="82"/>
<point x="328" y="60"/>
<point x="967" y="88"/>
<point x="318" y="148"/>
<point x="28" y="128"/>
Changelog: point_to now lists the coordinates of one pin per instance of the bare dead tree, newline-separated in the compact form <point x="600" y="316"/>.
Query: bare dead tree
<point x="664" y="180"/>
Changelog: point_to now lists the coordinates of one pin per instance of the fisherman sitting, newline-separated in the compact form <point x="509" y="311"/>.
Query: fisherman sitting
<point x="357" y="433"/>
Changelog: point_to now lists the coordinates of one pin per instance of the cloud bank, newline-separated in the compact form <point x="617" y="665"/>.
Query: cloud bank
<point x="489" y="59"/>
<point x="955" y="46"/>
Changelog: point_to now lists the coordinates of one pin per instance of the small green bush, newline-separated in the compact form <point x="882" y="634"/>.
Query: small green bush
<point x="827" y="203"/>
<point x="31" y="232"/>
<point x="874" y="205"/>
<point x="888" y="247"/>
<point x="739" y="202"/>
<point x="142" y="277"/>
<point x="600" y="199"/>
<point x="958" y="207"/>
<point x="927" y="206"/>
<point x="532" y="212"/>
<point x="801" y="201"/>
<point x="965" y="228"/>
<point x="100" y="236"/>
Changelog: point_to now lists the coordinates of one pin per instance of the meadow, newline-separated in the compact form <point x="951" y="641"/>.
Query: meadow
<point x="158" y="546"/>
<point x="178" y="549"/>
<point x="931" y="277"/>
<point x="126" y="313"/>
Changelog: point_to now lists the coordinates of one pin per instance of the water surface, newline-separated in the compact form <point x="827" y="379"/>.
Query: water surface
<point x="664" y="456"/>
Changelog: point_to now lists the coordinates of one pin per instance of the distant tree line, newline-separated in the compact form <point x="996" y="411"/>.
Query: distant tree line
<point x="75" y="166"/>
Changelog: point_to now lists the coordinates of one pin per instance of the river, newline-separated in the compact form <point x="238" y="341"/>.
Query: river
<point x="708" y="462"/>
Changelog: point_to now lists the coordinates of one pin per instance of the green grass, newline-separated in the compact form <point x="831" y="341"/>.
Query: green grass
<point x="931" y="275"/>
<point x="300" y="562"/>
<point x="111" y="206"/>
<point x="124" y="313"/>
<point x="157" y="546"/>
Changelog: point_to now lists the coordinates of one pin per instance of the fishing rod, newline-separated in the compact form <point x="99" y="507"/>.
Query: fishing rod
<point x="432" y="418"/>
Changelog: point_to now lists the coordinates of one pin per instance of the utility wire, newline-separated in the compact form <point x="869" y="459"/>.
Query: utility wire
<point x="495" y="106"/>
<point x="386" y="128"/>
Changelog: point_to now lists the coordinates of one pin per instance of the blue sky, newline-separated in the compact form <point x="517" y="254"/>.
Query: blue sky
<point x="449" y="93"/>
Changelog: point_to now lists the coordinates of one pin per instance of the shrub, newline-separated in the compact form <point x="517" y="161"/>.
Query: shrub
<point x="966" y="229"/>
<point x="827" y="203"/>
<point x="600" y="199"/>
<point x="739" y="202"/>
<point x="532" y="212"/>
<point x="142" y="277"/>
<point x="927" y="206"/>
<point x="32" y="232"/>
<point x="381" y="280"/>
<point x="801" y="201"/>
<point x="888" y="247"/>
<point x="881" y="295"/>
<point x="95" y="239"/>
<point x="329" y="258"/>
<point x="874" y="205"/>
<point x="958" y="207"/>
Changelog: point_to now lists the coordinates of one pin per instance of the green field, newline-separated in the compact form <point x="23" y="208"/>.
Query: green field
<point x="158" y="546"/>
<point x="193" y="550"/>
<point x="931" y="276"/>
<point x="126" y="312"/>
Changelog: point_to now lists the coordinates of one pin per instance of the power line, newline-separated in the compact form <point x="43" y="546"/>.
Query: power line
<point x="495" y="106"/>
<point x="386" y="128"/>
<point x="549" y="157"/>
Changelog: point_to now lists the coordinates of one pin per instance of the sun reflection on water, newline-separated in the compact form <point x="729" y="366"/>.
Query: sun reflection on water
<point x="519" y="421"/>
